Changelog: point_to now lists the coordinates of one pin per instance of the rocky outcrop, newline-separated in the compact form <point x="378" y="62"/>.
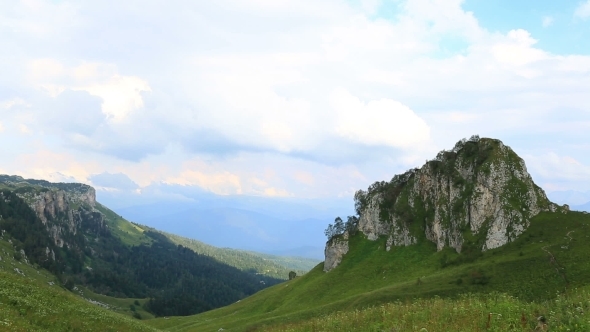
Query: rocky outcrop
<point x="479" y="187"/>
<point x="65" y="212"/>
<point x="336" y="248"/>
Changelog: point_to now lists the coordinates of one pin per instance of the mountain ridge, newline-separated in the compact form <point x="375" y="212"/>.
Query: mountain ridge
<point x="477" y="196"/>
<point x="509" y="243"/>
<point x="63" y="228"/>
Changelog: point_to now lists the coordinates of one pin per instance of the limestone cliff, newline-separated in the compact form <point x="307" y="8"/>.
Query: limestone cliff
<point x="335" y="249"/>
<point x="65" y="209"/>
<point x="480" y="187"/>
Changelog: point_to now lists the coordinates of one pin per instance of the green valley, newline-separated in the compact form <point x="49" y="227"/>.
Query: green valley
<point x="468" y="242"/>
<point x="408" y="288"/>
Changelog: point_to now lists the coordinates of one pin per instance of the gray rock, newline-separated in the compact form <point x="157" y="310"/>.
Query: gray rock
<point x="336" y="248"/>
<point x="455" y="193"/>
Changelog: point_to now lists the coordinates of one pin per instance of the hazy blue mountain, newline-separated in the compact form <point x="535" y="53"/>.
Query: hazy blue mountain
<point x="570" y="197"/>
<point x="236" y="228"/>
<point x="280" y="226"/>
<point x="582" y="207"/>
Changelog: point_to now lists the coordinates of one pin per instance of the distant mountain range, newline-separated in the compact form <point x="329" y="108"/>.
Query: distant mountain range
<point x="573" y="198"/>
<point x="279" y="226"/>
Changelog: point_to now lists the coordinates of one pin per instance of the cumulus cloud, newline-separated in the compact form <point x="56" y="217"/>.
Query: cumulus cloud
<point x="517" y="49"/>
<point x="558" y="171"/>
<point x="319" y="86"/>
<point x="378" y="122"/>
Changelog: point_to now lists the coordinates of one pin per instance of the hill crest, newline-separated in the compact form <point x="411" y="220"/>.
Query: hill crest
<point x="477" y="196"/>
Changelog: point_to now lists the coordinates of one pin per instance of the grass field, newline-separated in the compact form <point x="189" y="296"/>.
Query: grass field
<point x="31" y="299"/>
<point x="549" y="259"/>
<point x="469" y="312"/>
<point x="545" y="272"/>
<point x="127" y="232"/>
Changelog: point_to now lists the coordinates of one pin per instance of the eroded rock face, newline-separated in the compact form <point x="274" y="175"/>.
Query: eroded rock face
<point x="481" y="186"/>
<point x="336" y="248"/>
<point x="64" y="213"/>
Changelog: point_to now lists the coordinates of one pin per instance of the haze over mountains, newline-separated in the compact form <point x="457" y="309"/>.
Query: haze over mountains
<point x="281" y="226"/>
<point x="577" y="200"/>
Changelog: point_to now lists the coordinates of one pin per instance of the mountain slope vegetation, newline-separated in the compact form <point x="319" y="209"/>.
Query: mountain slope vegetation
<point x="547" y="262"/>
<point x="270" y="265"/>
<point x="32" y="299"/>
<point x="60" y="227"/>
<point x="466" y="243"/>
<point x="471" y="221"/>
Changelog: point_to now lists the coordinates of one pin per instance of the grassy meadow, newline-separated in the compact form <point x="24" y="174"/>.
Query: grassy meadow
<point x="31" y="299"/>
<point x="469" y="312"/>
<point x="533" y="275"/>
<point x="545" y="272"/>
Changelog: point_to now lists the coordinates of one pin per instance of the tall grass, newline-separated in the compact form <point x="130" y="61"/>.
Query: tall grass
<point x="470" y="312"/>
<point x="25" y="305"/>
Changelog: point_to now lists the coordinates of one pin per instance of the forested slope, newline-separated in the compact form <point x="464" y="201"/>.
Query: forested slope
<point x="84" y="243"/>
<point x="269" y="265"/>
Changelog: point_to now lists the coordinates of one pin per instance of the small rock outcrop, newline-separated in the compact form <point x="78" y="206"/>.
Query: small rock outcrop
<point x="336" y="248"/>
<point x="479" y="187"/>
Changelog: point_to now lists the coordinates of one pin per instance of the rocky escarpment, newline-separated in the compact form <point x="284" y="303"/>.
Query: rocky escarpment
<point x="480" y="187"/>
<point x="66" y="209"/>
<point x="66" y="213"/>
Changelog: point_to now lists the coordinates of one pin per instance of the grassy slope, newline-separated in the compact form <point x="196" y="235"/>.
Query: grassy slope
<point x="127" y="232"/>
<point x="32" y="300"/>
<point x="369" y="276"/>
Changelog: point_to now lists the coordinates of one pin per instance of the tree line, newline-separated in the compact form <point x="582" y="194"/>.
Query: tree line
<point x="175" y="279"/>
<point x="339" y="227"/>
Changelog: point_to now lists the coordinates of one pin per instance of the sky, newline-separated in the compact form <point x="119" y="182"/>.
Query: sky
<point x="294" y="98"/>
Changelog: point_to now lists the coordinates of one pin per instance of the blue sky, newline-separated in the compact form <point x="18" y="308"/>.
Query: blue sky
<point x="301" y="99"/>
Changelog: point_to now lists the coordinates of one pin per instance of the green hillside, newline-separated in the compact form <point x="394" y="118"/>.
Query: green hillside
<point x="31" y="299"/>
<point x="130" y="268"/>
<point x="270" y="265"/>
<point x="547" y="262"/>
<point x="61" y="228"/>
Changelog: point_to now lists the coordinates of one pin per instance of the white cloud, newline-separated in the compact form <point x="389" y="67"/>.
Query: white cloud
<point x="518" y="50"/>
<point x="121" y="95"/>
<point x="304" y="85"/>
<point x="547" y="21"/>
<point x="378" y="122"/>
<point x="583" y="10"/>
<point x="558" y="167"/>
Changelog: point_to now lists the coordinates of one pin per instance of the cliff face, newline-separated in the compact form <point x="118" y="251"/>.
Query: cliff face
<point x="66" y="209"/>
<point x="480" y="187"/>
<point x="64" y="213"/>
